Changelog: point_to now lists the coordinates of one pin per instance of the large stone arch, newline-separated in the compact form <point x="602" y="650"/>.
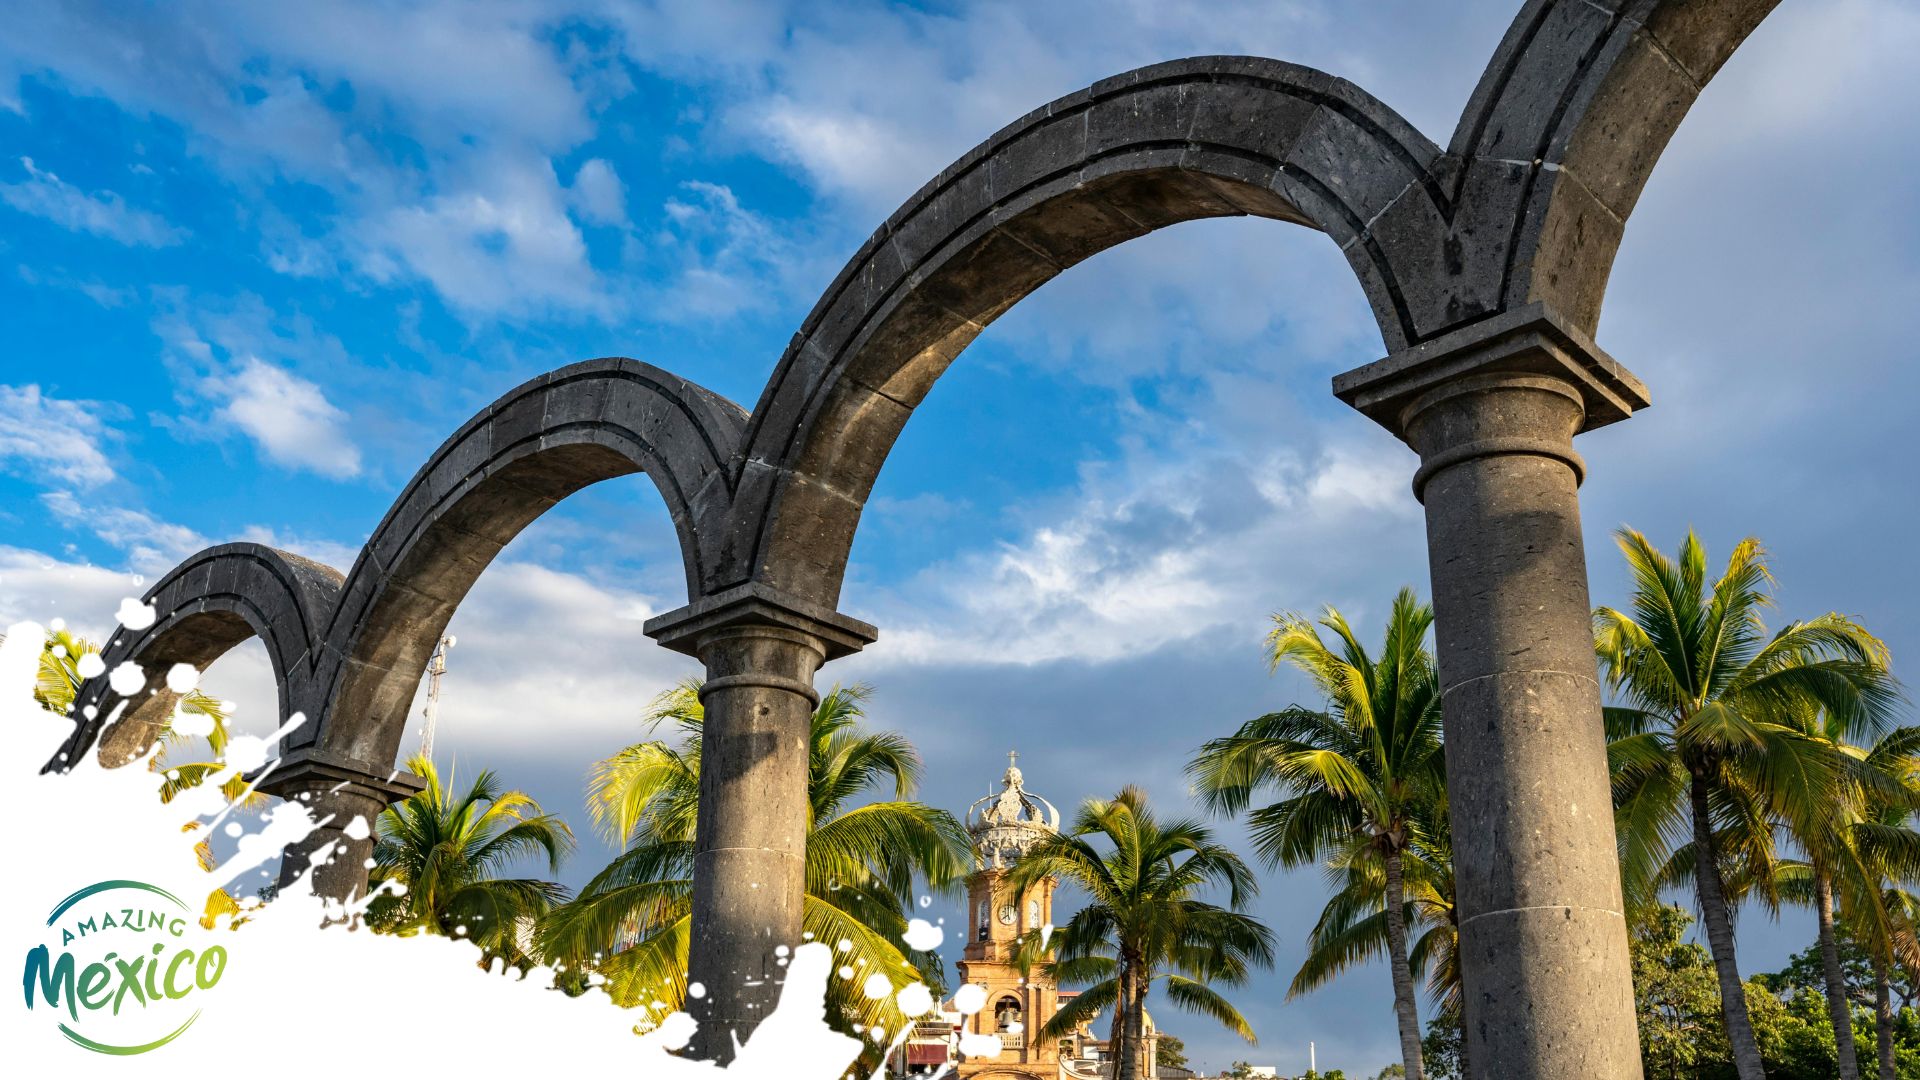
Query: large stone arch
<point x="539" y="443"/>
<point x="348" y="652"/>
<point x="1563" y="130"/>
<point x="1199" y="138"/>
<point x="1485" y="266"/>
<point x="208" y="604"/>
<point x="1525" y="208"/>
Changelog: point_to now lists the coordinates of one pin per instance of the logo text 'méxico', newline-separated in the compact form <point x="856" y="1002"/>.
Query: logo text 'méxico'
<point x="112" y="977"/>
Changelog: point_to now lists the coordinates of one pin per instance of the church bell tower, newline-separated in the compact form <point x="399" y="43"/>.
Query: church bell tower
<point x="1005" y="826"/>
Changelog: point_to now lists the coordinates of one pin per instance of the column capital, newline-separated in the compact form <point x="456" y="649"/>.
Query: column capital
<point x="756" y="604"/>
<point x="1529" y="341"/>
<point x="310" y="768"/>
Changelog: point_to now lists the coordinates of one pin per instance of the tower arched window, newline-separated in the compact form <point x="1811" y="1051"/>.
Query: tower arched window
<point x="1006" y="1014"/>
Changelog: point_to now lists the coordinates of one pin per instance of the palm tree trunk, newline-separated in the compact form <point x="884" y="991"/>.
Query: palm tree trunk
<point x="1137" y="1029"/>
<point x="1117" y="1041"/>
<point x="1404" y="1008"/>
<point x="1719" y="922"/>
<point x="1838" y="1007"/>
<point x="1883" y="1016"/>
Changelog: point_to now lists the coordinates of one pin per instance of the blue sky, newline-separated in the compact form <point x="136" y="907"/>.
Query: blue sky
<point x="256" y="261"/>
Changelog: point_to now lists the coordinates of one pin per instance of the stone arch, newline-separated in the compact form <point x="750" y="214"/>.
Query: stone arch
<point x="1007" y="1011"/>
<point x="537" y="444"/>
<point x="205" y="606"/>
<point x="1559" y="138"/>
<point x="1199" y="138"/>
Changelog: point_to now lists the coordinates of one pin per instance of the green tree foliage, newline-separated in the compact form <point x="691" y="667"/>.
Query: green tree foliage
<point x="1444" y="1045"/>
<point x="1170" y="1053"/>
<point x="630" y="924"/>
<point x="1676" y="997"/>
<point x="1145" y="922"/>
<point x="1356" y="784"/>
<point x="447" y="848"/>
<point x="1709" y="744"/>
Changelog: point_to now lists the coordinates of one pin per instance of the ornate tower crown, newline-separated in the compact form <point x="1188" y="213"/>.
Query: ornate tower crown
<point x="1006" y="824"/>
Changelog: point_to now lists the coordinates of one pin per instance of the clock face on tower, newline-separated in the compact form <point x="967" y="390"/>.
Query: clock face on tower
<point x="1006" y="914"/>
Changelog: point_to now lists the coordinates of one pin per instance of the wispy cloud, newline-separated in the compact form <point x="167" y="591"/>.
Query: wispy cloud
<point x="288" y="417"/>
<point x="598" y="195"/>
<point x="46" y="438"/>
<point x="106" y="214"/>
<point x="152" y="546"/>
<point x="1150" y="553"/>
<point x="501" y="246"/>
<point x="724" y="258"/>
<point x="37" y="586"/>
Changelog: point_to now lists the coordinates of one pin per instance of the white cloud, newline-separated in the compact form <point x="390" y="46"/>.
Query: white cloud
<point x="152" y="546"/>
<point x="106" y="214"/>
<point x="42" y="588"/>
<point x="49" y="438"/>
<point x="502" y="245"/>
<point x="425" y="159"/>
<point x="598" y="195"/>
<point x="289" y="417"/>
<point x="546" y="651"/>
<point x="727" y="258"/>
<point x="325" y="552"/>
<point x="1154" y="553"/>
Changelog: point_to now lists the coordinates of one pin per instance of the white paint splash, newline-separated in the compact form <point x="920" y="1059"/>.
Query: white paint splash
<point x="191" y="725"/>
<point x="973" y="1045"/>
<point x="182" y="678"/>
<point x="923" y="935"/>
<point x="294" y="992"/>
<point x="126" y="679"/>
<point x="915" y="1000"/>
<point x="134" y="615"/>
<point x="969" y="999"/>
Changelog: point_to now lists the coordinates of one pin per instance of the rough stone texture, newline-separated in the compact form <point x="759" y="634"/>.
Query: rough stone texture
<point x="205" y="606"/>
<point x="533" y="447"/>
<point x="1485" y="266"/>
<point x="1581" y="96"/>
<point x="1543" y="935"/>
<point x="749" y="881"/>
<point x="348" y="652"/>
<point x="1207" y="137"/>
<point x="336" y="793"/>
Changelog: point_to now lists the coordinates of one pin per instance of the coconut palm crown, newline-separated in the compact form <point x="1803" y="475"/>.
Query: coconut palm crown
<point x="447" y="848"/>
<point x="1709" y="743"/>
<point x="1145" y="922"/>
<point x="630" y="924"/>
<point x="1352" y="781"/>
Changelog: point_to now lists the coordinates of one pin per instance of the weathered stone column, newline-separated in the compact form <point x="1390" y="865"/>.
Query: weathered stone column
<point x="1492" y="410"/>
<point x="336" y="790"/>
<point x="761" y="650"/>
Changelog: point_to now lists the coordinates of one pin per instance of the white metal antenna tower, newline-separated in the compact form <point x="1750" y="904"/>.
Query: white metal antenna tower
<point x="436" y="667"/>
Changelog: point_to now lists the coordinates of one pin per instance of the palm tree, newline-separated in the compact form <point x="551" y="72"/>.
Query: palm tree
<point x="56" y="686"/>
<point x="1144" y="922"/>
<point x="630" y="924"/>
<point x="1902" y="946"/>
<point x="1352" y="928"/>
<point x="1351" y="782"/>
<point x="446" y="849"/>
<point x="1705" y="740"/>
<point x="1854" y="847"/>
